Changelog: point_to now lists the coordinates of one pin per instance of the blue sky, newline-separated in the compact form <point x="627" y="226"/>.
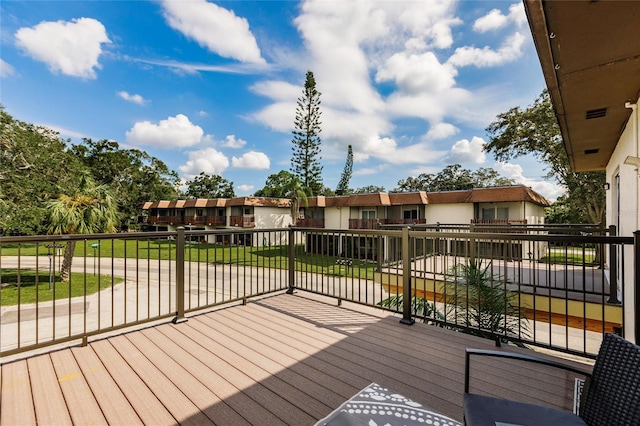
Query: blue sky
<point x="212" y="86"/>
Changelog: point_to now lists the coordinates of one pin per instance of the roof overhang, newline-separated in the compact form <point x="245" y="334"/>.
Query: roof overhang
<point x="590" y="56"/>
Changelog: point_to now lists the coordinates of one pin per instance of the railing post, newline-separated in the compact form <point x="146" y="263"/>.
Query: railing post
<point x="613" y="268"/>
<point x="406" y="279"/>
<point x="292" y="261"/>
<point x="636" y="293"/>
<point x="180" y="276"/>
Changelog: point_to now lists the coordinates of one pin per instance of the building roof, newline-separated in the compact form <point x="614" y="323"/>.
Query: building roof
<point x="405" y="198"/>
<point x="259" y="202"/>
<point x="590" y="56"/>
<point x="513" y="193"/>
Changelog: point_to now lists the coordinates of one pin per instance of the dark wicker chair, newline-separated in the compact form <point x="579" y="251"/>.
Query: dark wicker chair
<point x="611" y="395"/>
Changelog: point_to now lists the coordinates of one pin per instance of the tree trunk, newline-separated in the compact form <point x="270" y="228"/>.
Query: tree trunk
<point x="65" y="270"/>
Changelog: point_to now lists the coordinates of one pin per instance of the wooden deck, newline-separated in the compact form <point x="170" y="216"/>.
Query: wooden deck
<point x="278" y="360"/>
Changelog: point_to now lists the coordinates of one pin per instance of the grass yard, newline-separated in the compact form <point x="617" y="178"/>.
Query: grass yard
<point x="34" y="285"/>
<point x="570" y="256"/>
<point x="264" y="257"/>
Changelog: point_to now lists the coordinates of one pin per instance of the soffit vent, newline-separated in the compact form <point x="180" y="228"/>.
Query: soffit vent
<point x="596" y="113"/>
<point x="591" y="151"/>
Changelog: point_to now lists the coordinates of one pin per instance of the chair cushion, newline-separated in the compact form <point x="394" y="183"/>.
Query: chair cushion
<point x="480" y="410"/>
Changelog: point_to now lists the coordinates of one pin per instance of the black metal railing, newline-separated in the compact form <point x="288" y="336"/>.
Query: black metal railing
<point x="533" y="287"/>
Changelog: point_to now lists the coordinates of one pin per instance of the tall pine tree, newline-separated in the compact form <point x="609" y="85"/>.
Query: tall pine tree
<point x="305" y="162"/>
<point x="343" y="185"/>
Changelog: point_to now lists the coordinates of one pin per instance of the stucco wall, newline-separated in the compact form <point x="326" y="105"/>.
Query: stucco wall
<point x="336" y="218"/>
<point x="460" y="213"/>
<point x="272" y="217"/>
<point x="627" y="219"/>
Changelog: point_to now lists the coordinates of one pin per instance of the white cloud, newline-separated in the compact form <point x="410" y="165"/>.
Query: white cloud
<point x="510" y="50"/>
<point x="245" y="188"/>
<point x="66" y="132"/>
<point x="6" y="69"/>
<point x="549" y="190"/>
<point x="491" y="21"/>
<point x="252" y="160"/>
<point x="136" y="99"/>
<point x="71" y="48"/>
<point x="441" y="131"/>
<point x="202" y="113"/>
<point x="174" y="132"/>
<point x="415" y="73"/>
<point x="214" y="27"/>
<point x="465" y="151"/>
<point x="495" y="19"/>
<point x="206" y="160"/>
<point x="231" y="142"/>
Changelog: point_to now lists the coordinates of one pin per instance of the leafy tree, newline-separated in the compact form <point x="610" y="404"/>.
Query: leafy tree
<point x="343" y="185"/>
<point x="91" y="209"/>
<point x="35" y="166"/>
<point x="562" y="212"/>
<point x="369" y="189"/>
<point x="133" y="175"/>
<point x="305" y="162"/>
<point x="535" y="130"/>
<point x="276" y="185"/>
<point x="453" y="178"/>
<point x="209" y="186"/>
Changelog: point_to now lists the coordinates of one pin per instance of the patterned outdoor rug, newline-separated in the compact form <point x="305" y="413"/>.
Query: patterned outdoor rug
<point x="379" y="406"/>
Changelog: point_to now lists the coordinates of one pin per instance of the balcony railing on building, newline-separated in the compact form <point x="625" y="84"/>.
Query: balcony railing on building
<point x="246" y="221"/>
<point x="376" y="223"/>
<point x="310" y="223"/>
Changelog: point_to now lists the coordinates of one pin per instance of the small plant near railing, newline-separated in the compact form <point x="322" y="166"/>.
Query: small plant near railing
<point x="420" y="307"/>
<point x="482" y="303"/>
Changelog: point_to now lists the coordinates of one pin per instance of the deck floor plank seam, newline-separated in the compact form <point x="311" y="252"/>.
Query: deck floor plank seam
<point x="178" y="404"/>
<point x="259" y="361"/>
<point x="234" y="393"/>
<point x="140" y="397"/>
<point x="45" y="387"/>
<point x="278" y="405"/>
<point x="115" y="406"/>
<point x="78" y="396"/>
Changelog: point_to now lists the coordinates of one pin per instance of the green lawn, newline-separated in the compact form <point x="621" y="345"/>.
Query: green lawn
<point x="559" y="256"/>
<point x="264" y="257"/>
<point x="34" y="284"/>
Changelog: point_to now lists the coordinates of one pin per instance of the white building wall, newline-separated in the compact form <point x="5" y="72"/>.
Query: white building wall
<point x="459" y="213"/>
<point x="626" y="217"/>
<point x="336" y="218"/>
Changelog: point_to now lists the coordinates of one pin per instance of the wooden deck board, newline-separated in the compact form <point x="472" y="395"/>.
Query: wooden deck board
<point x="279" y="360"/>
<point x="142" y="400"/>
<point x="45" y="387"/>
<point x="112" y="401"/>
<point x="81" y="403"/>
<point x="198" y="393"/>
<point x="16" y="399"/>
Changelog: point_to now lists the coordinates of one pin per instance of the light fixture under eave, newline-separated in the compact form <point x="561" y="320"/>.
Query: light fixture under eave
<point x="606" y="186"/>
<point x="632" y="161"/>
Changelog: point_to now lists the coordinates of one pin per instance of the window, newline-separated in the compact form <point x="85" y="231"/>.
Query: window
<point x="488" y="213"/>
<point x="410" y="214"/>
<point x="199" y="212"/>
<point x="368" y="214"/>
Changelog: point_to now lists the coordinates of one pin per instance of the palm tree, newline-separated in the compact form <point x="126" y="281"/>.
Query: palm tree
<point x="92" y="209"/>
<point x="484" y="305"/>
<point x="297" y="193"/>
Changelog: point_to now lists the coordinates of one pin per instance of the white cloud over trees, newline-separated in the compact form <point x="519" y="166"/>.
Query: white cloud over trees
<point x="173" y="132"/>
<point x="465" y="151"/>
<point x="252" y="160"/>
<point x="135" y="98"/>
<point x="208" y="160"/>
